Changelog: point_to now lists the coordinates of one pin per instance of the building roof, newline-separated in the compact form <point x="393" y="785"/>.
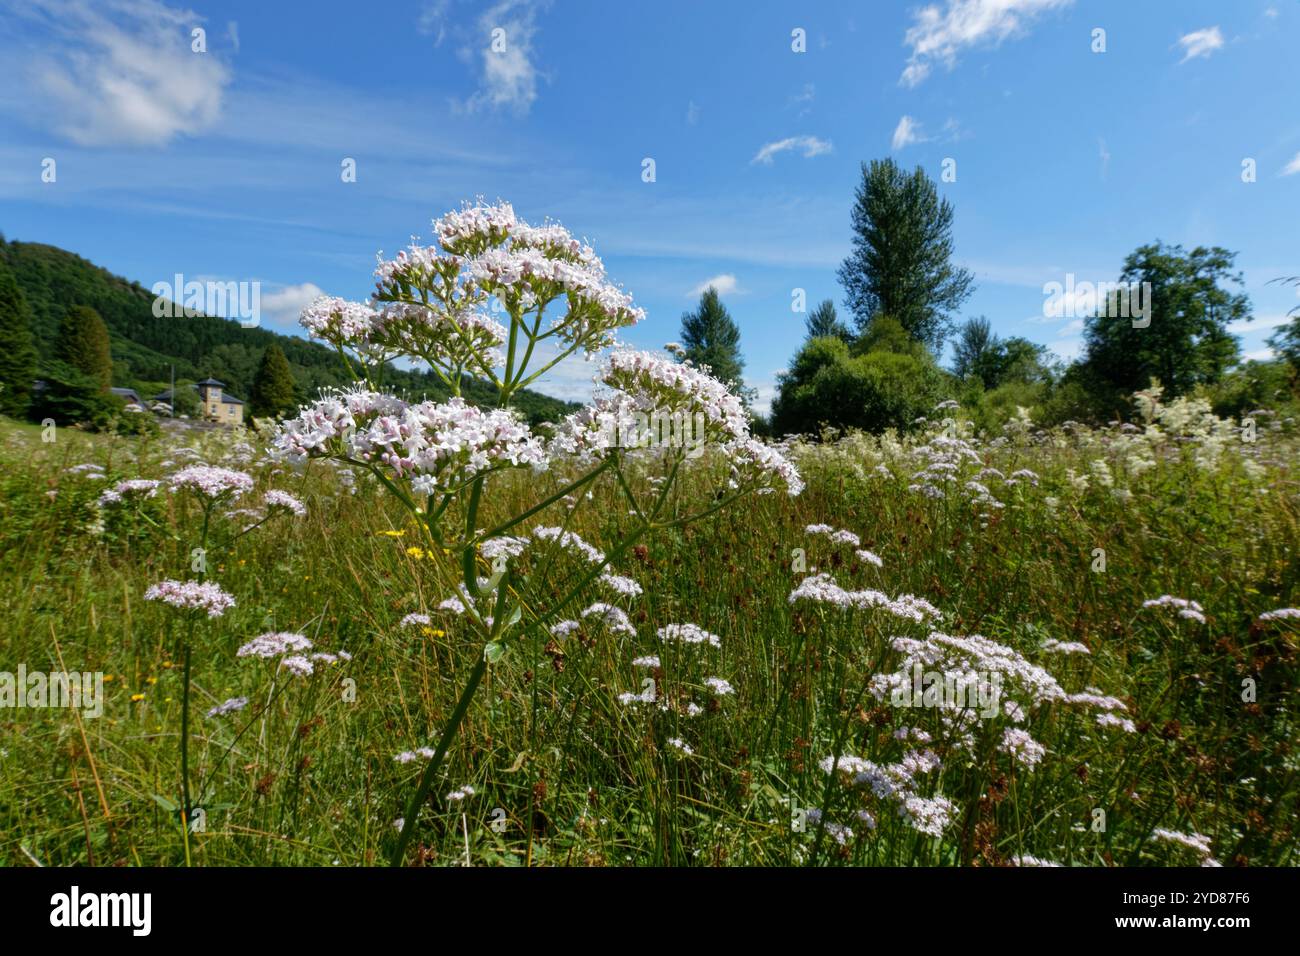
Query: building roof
<point x="225" y="397"/>
<point x="211" y="381"/>
<point x="130" y="393"/>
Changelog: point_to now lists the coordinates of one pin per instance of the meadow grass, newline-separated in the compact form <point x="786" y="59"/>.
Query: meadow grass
<point x="561" y="772"/>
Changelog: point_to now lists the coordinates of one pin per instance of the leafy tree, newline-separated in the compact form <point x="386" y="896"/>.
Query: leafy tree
<point x="1187" y="341"/>
<point x="17" y="355"/>
<point x="873" y="391"/>
<point x="902" y="251"/>
<point x="711" y="337"/>
<point x="1286" y="340"/>
<point x="83" y="343"/>
<point x="1021" y="360"/>
<point x="884" y="333"/>
<point x="71" y="397"/>
<point x="273" y="389"/>
<point x="976" y="352"/>
<point x="993" y="361"/>
<point x="823" y="321"/>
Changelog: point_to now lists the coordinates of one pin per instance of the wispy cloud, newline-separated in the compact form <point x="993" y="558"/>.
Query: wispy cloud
<point x="692" y="113"/>
<point x="1257" y="323"/>
<point x="433" y="20"/>
<point x="907" y="132"/>
<point x="939" y="35"/>
<point x="498" y="46"/>
<point x="122" y="72"/>
<point x="810" y="146"/>
<point x="804" y="99"/>
<point x="1104" y="155"/>
<point x="1200" y="43"/>
<point x="1292" y="167"/>
<point x="724" y="284"/>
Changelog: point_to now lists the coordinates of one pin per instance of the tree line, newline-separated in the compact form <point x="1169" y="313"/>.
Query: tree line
<point x="903" y="293"/>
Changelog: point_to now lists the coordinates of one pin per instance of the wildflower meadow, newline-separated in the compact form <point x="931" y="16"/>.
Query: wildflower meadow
<point x="382" y="631"/>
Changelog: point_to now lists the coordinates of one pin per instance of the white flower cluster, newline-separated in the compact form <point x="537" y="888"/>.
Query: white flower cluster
<point x="1280" y="614"/>
<point x="283" y="501"/>
<point x="132" y="488"/>
<point x="211" y="482"/>
<point x="687" y="634"/>
<point x="289" y="647"/>
<point x="486" y="251"/>
<point x="191" y="596"/>
<point x="1198" y="842"/>
<point x="822" y="589"/>
<point x="837" y="537"/>
<point x="897" y="783"/>
<point x="435" y="445"/>
<point x="689" y="408"/>
<point x="1187" y="609"/>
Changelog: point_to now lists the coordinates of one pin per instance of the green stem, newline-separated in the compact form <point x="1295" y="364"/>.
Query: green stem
<point x="185" y="746"/>
<point x="431" y="771"/>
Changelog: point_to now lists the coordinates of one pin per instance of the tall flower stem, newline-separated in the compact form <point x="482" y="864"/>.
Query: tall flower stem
<point x="185" y="747"/>
<point x="431" y="771"/>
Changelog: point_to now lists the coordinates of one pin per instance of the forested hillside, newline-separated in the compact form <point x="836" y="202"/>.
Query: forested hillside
<point x="144" y="347"/>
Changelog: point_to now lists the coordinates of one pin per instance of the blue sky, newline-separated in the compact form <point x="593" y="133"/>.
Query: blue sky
<point x="226" y="164"/>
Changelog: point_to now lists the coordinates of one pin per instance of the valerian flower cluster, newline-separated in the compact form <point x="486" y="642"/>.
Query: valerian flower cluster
<point x="492" y="297"/>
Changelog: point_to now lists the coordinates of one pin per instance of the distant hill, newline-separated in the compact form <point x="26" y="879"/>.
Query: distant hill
<point x="145" y="347"/>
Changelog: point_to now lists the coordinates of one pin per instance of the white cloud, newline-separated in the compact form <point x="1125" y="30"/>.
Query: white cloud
<point x="1292" y="167"/>
<point x="282" y="307"/>
<point x="907" y="131"/>
<point x="1200" y="43"/>
<point x="1259" y="355"/>
<point x="939" y="35"/>
<point x="810" y="146"/>
<point x="122" y="72"/>
<point x="692" y="113"/>
<point x="1257" y="323"/>
<point x="767" y="392"/>
<point x="725" y="284"/>
<point x="508" y="73"/>
<point x="570" y="379"/>
<point x="433" y="20"/>
<point x="1067" y="349"/>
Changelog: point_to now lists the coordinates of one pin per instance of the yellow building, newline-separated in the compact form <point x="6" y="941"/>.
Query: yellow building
<point x="217" y="405"/>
